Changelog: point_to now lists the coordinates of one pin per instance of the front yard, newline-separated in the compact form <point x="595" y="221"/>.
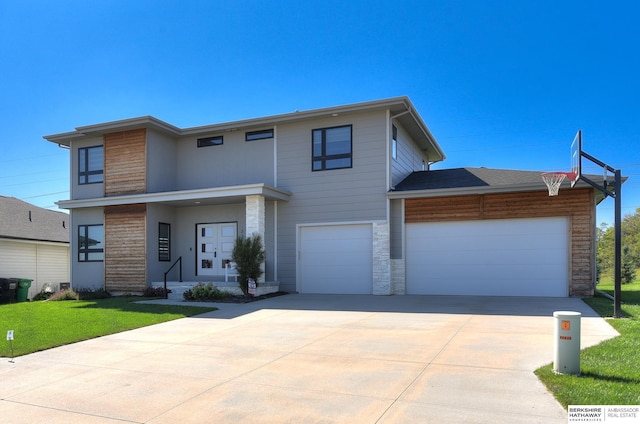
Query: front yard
<point x="610" y="371"/>
<point x="43" y="325"/>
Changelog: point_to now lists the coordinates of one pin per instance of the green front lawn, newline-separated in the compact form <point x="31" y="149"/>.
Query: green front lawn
<point x="610" y="371"/>
<point x="43" y="325"/>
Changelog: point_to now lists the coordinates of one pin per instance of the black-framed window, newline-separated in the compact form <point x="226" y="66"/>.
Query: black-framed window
<point x="210" y="141"/>
<point x="394" y="142"/>
<point x="331" y="148"/>
<point x="90" y="243"/>
<point x="90" y="165"/>
<point x="164" y="242"/>
<point x="258" y="135"/>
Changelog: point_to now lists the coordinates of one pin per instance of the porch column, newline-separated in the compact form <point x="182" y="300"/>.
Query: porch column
<point x="255" y="211"/>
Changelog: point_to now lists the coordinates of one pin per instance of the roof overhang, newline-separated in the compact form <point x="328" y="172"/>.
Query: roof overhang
<point x="466" y="191"/>
<point x="149" y="122"/>
<point x="399" y="107"/>
<point x="184" y="198"/>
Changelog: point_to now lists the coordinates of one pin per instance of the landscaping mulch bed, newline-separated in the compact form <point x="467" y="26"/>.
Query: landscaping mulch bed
<point x="248" y="299"/>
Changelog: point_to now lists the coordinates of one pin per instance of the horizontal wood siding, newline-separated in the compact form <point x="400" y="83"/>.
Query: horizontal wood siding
<point x="578" y="204"/>
<point x="125" y="162"/>
<point x="125" y="248"/>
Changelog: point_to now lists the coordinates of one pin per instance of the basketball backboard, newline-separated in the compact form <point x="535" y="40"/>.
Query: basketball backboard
<point x="576" y="159"/>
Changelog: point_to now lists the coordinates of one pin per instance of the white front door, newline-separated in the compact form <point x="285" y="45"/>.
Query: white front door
<point x="213" y="246"/>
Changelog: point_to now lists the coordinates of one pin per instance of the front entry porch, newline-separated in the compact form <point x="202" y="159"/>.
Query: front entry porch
<point x="178" y="288"/>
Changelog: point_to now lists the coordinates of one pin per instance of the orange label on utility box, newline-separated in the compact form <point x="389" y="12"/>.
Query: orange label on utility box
<point x="566" y="325"/>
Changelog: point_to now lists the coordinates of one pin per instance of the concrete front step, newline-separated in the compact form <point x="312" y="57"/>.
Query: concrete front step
<point x="178" y="288"/>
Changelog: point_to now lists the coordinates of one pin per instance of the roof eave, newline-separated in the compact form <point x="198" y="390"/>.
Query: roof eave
<point x="333" y="111"/>
<point x="65" y="139"/>
<point x="463" y="191"/>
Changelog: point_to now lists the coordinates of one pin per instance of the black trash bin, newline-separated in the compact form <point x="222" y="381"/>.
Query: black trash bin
<point x="8" y="287"/>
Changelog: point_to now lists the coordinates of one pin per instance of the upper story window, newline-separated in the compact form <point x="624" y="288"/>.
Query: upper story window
<point x="90" y="165"/>
<point x="210" y="141"/>
<point x="90" y="243"/>
<point x="331" y="148"/>
<point x="258" y="135"/>
<point x="394" y="143"/>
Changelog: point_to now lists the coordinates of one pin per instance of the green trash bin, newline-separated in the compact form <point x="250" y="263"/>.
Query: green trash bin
<point x="23" y="289"/>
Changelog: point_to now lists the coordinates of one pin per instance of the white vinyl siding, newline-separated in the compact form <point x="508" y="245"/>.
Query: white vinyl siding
<point x="502" y="257"/>
<point x="44" y="263"/>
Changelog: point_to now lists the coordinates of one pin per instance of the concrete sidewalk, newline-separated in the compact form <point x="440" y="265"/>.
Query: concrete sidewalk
<point x="308" y="359"/>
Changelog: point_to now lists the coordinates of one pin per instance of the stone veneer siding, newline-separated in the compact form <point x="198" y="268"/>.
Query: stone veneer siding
<point x="255" y="220"/>
<point x="381" y="259"/>
<point x="398" y="277"/>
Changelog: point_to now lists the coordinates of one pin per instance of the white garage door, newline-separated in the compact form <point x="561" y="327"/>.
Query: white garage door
<point x="336" y="259"/>
<point x="512" y="257"/>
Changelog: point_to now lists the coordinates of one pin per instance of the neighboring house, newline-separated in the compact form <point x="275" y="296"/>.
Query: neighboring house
<point x="34" y="244"/>
<point x="343" y="197"/>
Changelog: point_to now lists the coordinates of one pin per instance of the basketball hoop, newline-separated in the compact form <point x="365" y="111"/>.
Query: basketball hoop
<point x="554" y="179"/>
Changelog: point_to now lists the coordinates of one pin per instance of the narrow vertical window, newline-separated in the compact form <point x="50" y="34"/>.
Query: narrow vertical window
<point x="164" y="242"/>
<point x="90" y="243"/>
<point x="394" y="143"/>
<point x="90" y="165"/>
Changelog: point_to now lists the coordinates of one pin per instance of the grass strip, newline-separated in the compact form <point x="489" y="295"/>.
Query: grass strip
<point x="610" y="371"/>
<point x="43" y="325"/>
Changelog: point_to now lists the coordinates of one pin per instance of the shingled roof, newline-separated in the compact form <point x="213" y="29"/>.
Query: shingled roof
<point x="469" y="177"/>
<point x="22" y="220"/>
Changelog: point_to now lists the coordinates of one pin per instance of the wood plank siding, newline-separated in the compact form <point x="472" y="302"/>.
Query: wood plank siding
<point x="577" y="204"/>
<point x="125" y="162"/>
<point x="125" y="264"/>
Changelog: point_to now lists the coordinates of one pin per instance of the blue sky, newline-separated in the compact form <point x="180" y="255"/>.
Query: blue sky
<point x="501" y="84"/>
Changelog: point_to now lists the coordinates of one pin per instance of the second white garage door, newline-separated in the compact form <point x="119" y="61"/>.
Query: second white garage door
<point x="336" y="259"/>
<point x="510" y="257"/>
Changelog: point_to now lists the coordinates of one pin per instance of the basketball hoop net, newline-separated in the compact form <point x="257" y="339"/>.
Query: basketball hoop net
<point x="554" y="179"/>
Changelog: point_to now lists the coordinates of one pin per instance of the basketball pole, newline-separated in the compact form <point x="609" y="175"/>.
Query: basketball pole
<point x="617" y="279"/>
<point x="617" y="231"/>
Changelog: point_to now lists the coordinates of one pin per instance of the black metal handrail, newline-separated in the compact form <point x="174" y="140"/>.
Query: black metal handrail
<point x="166" y="294"/>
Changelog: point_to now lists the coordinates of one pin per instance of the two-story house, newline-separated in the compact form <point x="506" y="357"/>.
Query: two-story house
<point x="343" y="198"/>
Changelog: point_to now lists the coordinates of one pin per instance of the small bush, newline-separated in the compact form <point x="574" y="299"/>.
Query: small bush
<point x="91" y="294"/>
<point x="248" y="254"/>
<point x="208" y="292"/>
<point x="155" y="292"/>
<point x="67" y="294"/>
<point x="43" y="295"/>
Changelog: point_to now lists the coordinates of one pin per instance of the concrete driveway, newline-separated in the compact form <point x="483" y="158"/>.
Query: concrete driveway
<point x="308" y="359"/>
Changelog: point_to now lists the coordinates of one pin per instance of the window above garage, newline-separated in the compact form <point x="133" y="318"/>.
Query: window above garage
<point x="332" y="148"/>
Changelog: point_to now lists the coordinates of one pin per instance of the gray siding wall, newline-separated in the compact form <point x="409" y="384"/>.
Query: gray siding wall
<point x="89" y="275"/>
<point x="235" y="162"/>
<point x="161" y="162"/>
<point x="341" y="195"/>
<point x="409" y="157"/>
<point x="397" y="228"/>
<point x="84" y="191"/>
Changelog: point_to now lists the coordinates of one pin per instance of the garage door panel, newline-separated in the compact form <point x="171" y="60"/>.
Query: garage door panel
<point x="516" y="257"/>
<point x="336" y="259"/>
